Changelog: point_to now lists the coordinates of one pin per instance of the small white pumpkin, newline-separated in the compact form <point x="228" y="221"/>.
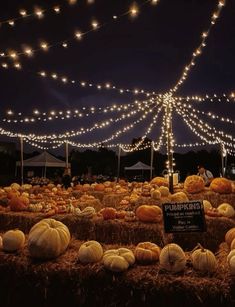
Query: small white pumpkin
<point x="206" y="205"/>
<point x="87" y="212"/>
<point x="164" y="191"/>
<point x="118" y="260"/>
<point x="13" y="240"/>
<point x="204" y="260"/>
<point x="226" y="210"/>
<point x="230" y="255"/>
<point x="172" y="258"/>
<point x="90" y="252"/>
<point x="231" y="264"/>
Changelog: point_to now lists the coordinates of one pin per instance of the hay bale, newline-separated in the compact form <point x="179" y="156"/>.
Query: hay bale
<point x="66" y="282"/>
<point x="113" y="200"/>
<point x="211" y="239"/>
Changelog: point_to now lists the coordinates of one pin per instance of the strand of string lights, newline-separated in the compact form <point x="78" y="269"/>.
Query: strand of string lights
<point x="68" y="114"/>
<point x="208" y="98"/>
<point x="133" y="11"/>
<point x="198" y="51"/>
<point x="37" y="13"/>
<point x="63" y="79"/>
<point x="145" y="109"/>
<point x="203" y="125"/>
<point x="205" y="129"/>
<point x="147" y="132"/>
<point x="212" y="115"/>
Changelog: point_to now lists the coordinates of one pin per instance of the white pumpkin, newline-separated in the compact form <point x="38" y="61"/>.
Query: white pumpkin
<point x="48" y="239"/>
<point x="226" y="210"/>
<point x="87" y="212"/>
<point x="204" y="260"/>
<point x="230" y="255"/>
<point x="206" y="205"/>
<point x="90" y="252"/>
<point x="164" y="191"/>
<point x="172" y="258"/>
<point x="13" y="240"/>
<point x="118" y="260"/>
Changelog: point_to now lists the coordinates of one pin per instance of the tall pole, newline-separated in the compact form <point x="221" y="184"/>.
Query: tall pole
<point x="151" y="161"/>
<point x="67" y="154"/>
<point x="119" y="162"/>
<point x="168" y="113"/>
<point x="223" y="156"/>
<point x="22" y="159"/>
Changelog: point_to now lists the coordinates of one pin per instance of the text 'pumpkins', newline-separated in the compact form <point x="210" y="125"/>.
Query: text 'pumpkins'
<point x="48" y="239"/>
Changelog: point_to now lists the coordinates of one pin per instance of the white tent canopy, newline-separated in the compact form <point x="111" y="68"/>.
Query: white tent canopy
<point x="138" y="166"/>
<point x="43" y="160"/>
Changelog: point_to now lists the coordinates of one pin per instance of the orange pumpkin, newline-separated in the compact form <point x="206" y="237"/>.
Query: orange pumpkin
<point x="159" y="181"/>
<point x="194" y="184"/>
<point x="120" y="214"/>
<point x="146" y="213"/>
<point x="221" y="185"/>
<point x="99" y="187"/>
<point x="16" y="204"/>
<point x="108" y="213"/>
<point x="147" y="252"/>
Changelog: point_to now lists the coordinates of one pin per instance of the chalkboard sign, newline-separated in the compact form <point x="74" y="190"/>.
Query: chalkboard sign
<point x="184" y="217"/>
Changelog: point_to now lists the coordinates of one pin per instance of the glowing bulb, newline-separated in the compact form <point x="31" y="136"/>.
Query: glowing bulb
<point x="11" y="23"/>
<point x="42" y="73"/>
<point x="9" y="112"/>
<point x="134" y="10"/>
<point x="78" y="35"/>
<point x="64" y="79"/>
<point x="65" y="45"/>
<point x="72" y="2"/>
<point x="17" y="65"/>
<point x="13" y="55"/>
<point x="28" y="51"/>
<point x="36" y="112"/>
<point x="23" y="13"/>
<point x="94" y="24"/>
<point x="4" y="65"/>
<point x="54" y="76"/>
<point x="44" y="46"/>
<point x="154" y="2"/>
<point x="115" y="17"/>
<point x="57" y="9"/>
<point x="39" y="12"/>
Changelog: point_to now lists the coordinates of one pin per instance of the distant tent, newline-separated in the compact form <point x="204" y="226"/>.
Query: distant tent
<point x="138" y="166"/>
<point x="43" y="160"/>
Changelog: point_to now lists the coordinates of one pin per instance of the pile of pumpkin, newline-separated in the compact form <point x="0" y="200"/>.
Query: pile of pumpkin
<point x="49" y="239"/>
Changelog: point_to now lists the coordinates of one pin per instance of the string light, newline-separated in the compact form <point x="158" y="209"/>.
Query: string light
<point x="78" y="35"/>
<point x="198" y="50"/>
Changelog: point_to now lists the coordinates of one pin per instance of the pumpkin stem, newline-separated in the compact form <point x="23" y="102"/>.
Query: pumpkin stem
<point x="201" y="247"/>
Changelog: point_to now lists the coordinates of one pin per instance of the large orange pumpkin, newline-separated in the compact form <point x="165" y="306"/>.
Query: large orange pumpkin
<point x="17" y="204"/>
<point x="146" y="213"/>
<point x="194" y="184"/>
<point x="159" y="181"/>
<point x="221" y="185"/>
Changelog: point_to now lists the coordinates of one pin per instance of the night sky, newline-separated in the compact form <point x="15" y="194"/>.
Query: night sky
<point x="147" y="52"/>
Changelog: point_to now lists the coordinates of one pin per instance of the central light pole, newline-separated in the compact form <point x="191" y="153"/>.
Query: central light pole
<point x="169" y="139"/>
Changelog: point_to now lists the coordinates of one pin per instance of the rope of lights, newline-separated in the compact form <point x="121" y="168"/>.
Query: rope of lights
<point x="68" y="114"/>
<point x="37" y="12"/>
<point x="198" y="51"/>
<point x="82" y="130"/>
<point x="78" y="35"/>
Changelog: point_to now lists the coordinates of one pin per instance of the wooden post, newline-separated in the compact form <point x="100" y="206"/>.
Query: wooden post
<point x="119" y="163"/>
<point x="22" y="159"/>
<point x="67" y="154"/>
<point x="151" y="161"/>
<point x="223" y="156"/>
